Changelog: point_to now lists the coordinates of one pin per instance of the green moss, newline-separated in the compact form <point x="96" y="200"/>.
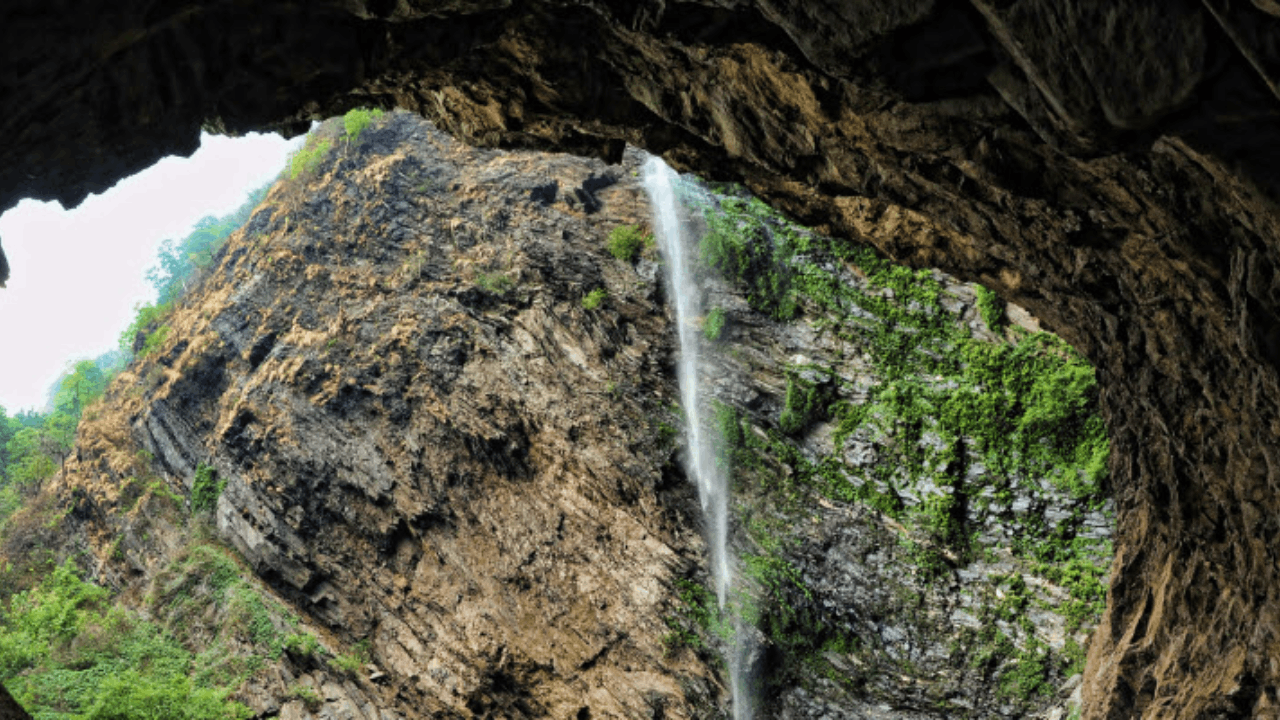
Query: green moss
<point x="1023" y="408"/>
<point x="805" y="403"/>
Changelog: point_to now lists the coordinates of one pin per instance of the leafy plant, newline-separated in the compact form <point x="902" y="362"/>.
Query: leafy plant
<point x="714" y="323"/>
<point x="307" y="695"/>
<point x="206" y="488"/>
<point x="495" y="283"/>
<point x="627" y="241"/>
<point x="351" y="662"/>
<point x="991" y="308"/>
<point x="594" y="299"/>
<point x="308" y="158"/>
<point x="66" y="652"/>
<point x="302" y="644"/>
<point x="355" y="121"/>
<point x="145" y="317"/>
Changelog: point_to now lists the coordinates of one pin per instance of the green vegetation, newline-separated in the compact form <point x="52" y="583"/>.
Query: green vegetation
<point x="180" y="263"/>
<point x="206" y="488"/>
<point x="307" y="695"/>
<point x="308" y="158"/>
<point x="203" y="596"/>
<point x="593" y="299"/>
<point x="351" y="662"/>
<point x="805" y="403"/>
<point x="1020" y="409"/>
<point x="626" y="242"/>
<point x="695" y="618"/>
<point x="355" y="121"/>
<point x="302" y="645"/>
<point x="494" y="283"/>
<point x="33" y="446"/>
<point x="65" y="652"/>
<point x="991" y="308"/>
<point x="713" y="324"/>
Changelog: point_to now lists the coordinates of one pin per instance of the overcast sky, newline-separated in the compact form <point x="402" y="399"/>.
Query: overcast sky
<point x="77" y="274"/>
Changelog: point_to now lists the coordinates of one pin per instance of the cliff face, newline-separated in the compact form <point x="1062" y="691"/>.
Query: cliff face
<point x="392" y="373"/>
<point x="410" y="449"/>
<point x="1110" y="169"/>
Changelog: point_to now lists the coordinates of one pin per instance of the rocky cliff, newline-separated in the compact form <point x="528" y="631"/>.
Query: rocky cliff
<point x="410" y="449"/>
<point x="1110" y="168"/>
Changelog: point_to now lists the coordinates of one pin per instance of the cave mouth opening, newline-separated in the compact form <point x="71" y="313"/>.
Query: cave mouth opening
<point x="79" y="275"/>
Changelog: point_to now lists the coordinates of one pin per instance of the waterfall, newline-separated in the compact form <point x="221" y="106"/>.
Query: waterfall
<point x="713" y="483"/>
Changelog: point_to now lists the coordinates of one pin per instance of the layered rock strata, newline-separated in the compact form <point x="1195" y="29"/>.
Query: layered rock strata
<point x="409" y="449"/>
<point x="1112" y="169"/>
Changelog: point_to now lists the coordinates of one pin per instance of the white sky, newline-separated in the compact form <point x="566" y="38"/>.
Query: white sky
<point x="76" y="275"/>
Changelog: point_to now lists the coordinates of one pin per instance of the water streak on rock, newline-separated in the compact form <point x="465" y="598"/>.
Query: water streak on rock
<point x="713" y="483"/>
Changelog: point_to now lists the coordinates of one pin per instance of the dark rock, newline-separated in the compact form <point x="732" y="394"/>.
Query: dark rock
<point x="1111" y="167"/>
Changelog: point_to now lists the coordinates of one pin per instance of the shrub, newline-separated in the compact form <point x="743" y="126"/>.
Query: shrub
<point x="206" y="489"/>
<point x="155" y="341"/>
<point x="991" y="308"/>
<point x="594" y="298"/>
<point x="350" y="663"/>
<point x="144" y="317"/>
<point x="626" y="242"/>
<point x="357" y="120"/>
<point x="302" y="644"/>
<point x="495" y="283"/>
<point x="713" y="325"/>
<point x="307" y="695"/>
<point x="308" y="158"/>
<point x="65" y="652"/>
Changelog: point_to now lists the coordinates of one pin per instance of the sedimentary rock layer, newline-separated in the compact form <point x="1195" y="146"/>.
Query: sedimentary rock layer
<point x="1110" y="168"/>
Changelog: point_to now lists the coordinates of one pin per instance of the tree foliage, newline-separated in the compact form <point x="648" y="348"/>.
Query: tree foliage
<point x="180" y="262"/>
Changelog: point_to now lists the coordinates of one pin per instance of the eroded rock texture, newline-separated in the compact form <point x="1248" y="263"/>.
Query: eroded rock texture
<point x="414" y="416"/>
<point x="1110" y="167"/>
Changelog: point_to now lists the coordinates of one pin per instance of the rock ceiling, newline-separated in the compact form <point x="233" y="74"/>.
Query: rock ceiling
<point x="1110" y="166"/>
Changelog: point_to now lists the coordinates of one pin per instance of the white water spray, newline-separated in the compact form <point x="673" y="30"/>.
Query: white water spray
<point x="713" y="484"/>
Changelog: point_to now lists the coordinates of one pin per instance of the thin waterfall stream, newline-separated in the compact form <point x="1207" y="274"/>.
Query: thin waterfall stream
<point x="660" y="182"/>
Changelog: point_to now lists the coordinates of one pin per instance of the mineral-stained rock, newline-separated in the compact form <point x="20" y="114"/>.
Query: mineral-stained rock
<point x="1112" y="169"/>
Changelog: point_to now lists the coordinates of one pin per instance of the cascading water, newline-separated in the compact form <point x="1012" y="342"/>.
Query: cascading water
<point x="713" y="485"/>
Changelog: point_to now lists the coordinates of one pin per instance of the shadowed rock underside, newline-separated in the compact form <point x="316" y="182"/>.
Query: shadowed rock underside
<point x="1109" y="168"/>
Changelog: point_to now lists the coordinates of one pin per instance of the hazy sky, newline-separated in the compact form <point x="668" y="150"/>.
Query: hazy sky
<point x="77" y="274"/>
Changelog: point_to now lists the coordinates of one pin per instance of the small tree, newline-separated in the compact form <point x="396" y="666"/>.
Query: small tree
<point x="355" y="121"/>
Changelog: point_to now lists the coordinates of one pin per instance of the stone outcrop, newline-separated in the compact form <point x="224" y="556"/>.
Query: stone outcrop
<point x="390" y="455"/>
<point x="1110" y="168"/>
<point x="391" y="371"/>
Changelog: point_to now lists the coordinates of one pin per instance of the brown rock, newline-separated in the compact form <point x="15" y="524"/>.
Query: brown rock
<point x="1119" y="182"/>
